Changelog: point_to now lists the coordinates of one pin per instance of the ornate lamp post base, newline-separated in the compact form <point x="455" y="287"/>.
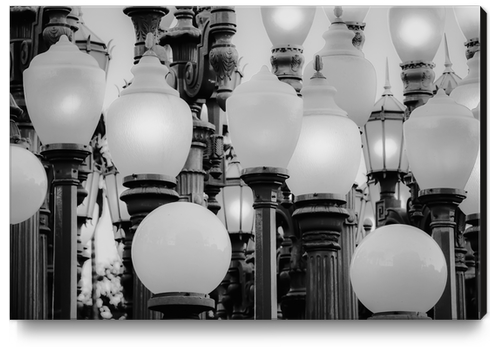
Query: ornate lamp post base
<point x="265" y="183"/>
<point x="399" y="315"/>
<point x="181" y="305"/>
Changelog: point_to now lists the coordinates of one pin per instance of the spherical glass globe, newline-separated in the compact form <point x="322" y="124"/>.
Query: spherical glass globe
<point x="287" y="25"/>
<point x="64" y="91"/>
<point x="468" y="18"/>
<point x="181" y="247"/>
<point x="442" y="140"/>
<point x="416" y="32"/>
<point x="264" y="119"/>
<point x="345" y="68"/>
<point x="328" y="153"/>
<point x="28" y="184"/>
<point x="467" y="93"/>
<point x="149" y="127"/>
<point x="398" y="268"/>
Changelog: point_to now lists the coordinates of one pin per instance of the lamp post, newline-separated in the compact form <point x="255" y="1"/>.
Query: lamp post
<point x="442" y="139"/>
<point x="398" y="272"/>
<point x="327" y="136"/>
<point x="264" y="160"/>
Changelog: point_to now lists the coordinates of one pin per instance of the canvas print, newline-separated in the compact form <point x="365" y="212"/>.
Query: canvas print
<point x="247" y="163"/>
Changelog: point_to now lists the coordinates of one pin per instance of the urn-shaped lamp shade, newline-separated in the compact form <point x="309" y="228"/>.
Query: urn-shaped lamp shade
<point x="468" y="18"/>
<point x="471" y="204"/>
<point x="442" y="140"/>
<point x="346" y="69"/>
<point x="264" y="119"/>
<point x="181" y="247"/>
<point x="328" y="153"/>
<point x="416" y="31"/>
<point x="149" y="127"/>
<point x="398" y="268"/>
<point x="28" y="184"/>
<point x="64" y="91"/>
<point x="350" y="14"/>
<point x="467" y="92"/>
<point x="287" y="24"/>
<point x="236" y="200"/>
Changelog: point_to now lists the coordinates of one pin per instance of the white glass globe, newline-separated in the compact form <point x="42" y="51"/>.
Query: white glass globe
<point x="28" y="184"/>
<point x="468" y="18"/>
<point x="264" y="119"/>
<point x="467" y="93"/>
<point x="398" y="268"/>
<point x="442" y="140"/>
<point x="471" y="204"/>
<point x="181" y="247"/>
<point x="64" y="91"/>
<point x="416" y="31"/>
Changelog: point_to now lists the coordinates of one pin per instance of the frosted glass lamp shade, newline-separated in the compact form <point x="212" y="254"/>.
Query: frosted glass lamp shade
<point x="328" y="153"/>
<point x="471" y="204"/>
<point x="287" y="24"/>
<point x="236" y="201"/>
<point x="64" y="91"/>
<point x="442" y="140"/>
<point x="398" y="268"/>
<point x="416" y="32"/>
<point x="467" y="93"/>
<point x="149" y="128"/>
<point x="468" y="18"/>
<point x="350" y="14"/>
<point x="181" y="247"/>
<point x="264" y="119"/>
<point x="346" y="69"/>
<point x="28" y="184"/>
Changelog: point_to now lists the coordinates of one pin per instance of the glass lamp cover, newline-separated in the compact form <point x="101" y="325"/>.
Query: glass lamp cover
<point x="355" y="14"/>
<point x="471" y="204"/>
<point x="328" y="153"/>
<point x="348" y="71"/>
<point x="149" y="127"/>
<point x="64" y="91"/>
<point x="287" y="25"/>
<point x="442" y="141"/>
<point x="28" y="184"/>
<point x="398" y="268"/>
<point x="468" y="18"/>
<point x="181" y="247"/>
<point x="264" y="119"/>
<point x="467" y="92"/>
<point x="236" y="200"/>
<point x="416" y="32"/>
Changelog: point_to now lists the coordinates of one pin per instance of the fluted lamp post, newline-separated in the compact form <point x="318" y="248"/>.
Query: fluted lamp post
<point x="287" y="28"/>
<point x="442" y="140"/>
<point x="64" y="107"/>
<point x="398" y="272"/>
<point x="347" y="70"/>
<point x="181" y="252"/>
<point x="323" y="169"/>
<point x="149" y="131"/>
<point x="261" y="114"/>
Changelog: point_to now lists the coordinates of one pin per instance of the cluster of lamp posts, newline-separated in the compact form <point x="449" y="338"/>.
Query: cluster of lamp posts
<point x="395" y="268"/>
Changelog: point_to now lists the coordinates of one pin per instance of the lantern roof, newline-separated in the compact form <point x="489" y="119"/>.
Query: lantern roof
<point x="387" y="103"/>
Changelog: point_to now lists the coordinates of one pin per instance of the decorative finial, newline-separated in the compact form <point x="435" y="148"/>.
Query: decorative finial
<point x="448" y="62"/>
<point x="387" y="80"/>
<point x="337" y="11"/>
<point x="318" y="66"/>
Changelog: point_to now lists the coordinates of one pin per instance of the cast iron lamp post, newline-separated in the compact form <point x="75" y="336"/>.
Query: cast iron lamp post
<point x="442" y="139"/>
<point x="64" y="108"/>
<point x="398" y="272"/>
<point x="181" y="260"/>
<point x="267" y="111"/>
<point x="323" y="169"/>
<point x="287" y="28"/>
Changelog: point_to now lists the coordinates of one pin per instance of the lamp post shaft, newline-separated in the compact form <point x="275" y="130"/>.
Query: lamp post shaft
<point x="66" y="160"/>
<point x="265" y="183"/>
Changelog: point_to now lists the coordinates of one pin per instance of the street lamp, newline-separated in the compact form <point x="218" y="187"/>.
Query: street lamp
<point x="442" y="139"/>
<point x="181" y="260"/>
<point x="398" y="272"/>
<point x="64" y="90"/>
<point x="261" y="114"/>
<point x="323" y="169"/>
<point x="347" y="70"/>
